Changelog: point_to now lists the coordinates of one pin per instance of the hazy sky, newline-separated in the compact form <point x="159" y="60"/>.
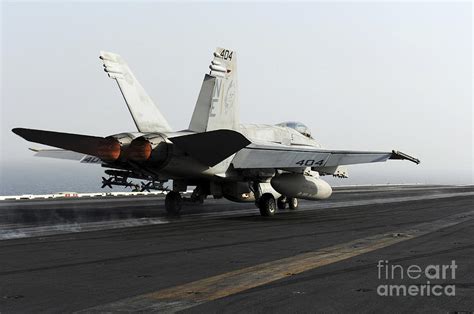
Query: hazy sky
<point x="361" y="75"/>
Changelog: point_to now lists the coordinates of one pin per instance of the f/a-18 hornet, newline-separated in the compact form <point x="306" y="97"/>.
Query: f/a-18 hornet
<point x="271" y="165"/>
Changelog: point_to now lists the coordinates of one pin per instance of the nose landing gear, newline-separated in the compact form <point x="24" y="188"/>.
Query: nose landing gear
<point x="281" y="202"/>
<point x="293" y="203"/>
<point x="267" y="205"/>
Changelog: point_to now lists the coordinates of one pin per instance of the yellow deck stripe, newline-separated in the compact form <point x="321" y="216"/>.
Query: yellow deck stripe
<point x="243" y="279"/>
<point x="190" y="294"/>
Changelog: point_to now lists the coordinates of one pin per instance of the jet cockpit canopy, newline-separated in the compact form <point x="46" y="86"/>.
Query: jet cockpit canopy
<point x="298" y="126"/>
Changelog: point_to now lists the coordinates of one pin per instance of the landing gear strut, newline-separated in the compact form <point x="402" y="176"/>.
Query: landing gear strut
<point x="173" y="202"/>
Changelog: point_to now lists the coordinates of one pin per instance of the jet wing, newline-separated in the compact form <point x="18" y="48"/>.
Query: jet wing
<point x="284" y="157"/>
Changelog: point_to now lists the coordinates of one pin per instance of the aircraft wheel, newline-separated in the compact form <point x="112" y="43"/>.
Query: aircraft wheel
<point x="281" y="202"/>
<point x="173" y="202"/>
<point x="293" y="202"/>
<point x="201" y="198"/>
<point x="267" y="205"/>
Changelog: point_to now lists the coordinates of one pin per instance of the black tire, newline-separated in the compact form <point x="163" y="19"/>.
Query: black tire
<point x="281" y="202"/>
<point x="201" y="198"/>
<point x="267" y="205"/>
<point x="173" y="203"/>
<point x="293" y="202"/>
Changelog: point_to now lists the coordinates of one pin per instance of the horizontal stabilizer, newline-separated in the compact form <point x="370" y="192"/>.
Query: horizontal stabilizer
<point x="58" y="154"/>
<point x="86" y="144"/>
<point x="66" y="154"/>
<point x="211" y="147"/>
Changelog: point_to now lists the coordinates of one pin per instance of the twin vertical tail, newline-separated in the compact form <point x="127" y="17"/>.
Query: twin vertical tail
<point x="144" y="112"/>
<point x="217" y="106"/>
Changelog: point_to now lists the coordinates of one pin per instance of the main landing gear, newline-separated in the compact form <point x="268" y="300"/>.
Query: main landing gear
<point x="173" y="203"/>
<point x="265" y="199"/>
<point x="268" y="205"/>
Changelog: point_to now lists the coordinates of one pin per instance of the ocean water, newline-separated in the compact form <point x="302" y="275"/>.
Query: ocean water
<point x="50" y="177"/>
<point x="44" y="176"/>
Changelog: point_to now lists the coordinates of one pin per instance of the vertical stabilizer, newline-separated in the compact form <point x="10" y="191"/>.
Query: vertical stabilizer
<point x="217" y="106"/>
<point x="144" y="112"/>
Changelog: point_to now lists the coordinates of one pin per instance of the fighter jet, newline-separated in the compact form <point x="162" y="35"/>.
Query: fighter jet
<point x="270" y="165"/>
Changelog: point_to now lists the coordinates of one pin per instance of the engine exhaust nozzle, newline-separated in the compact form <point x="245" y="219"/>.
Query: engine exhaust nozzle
<point x="109" y="149"/>
<point x="139" y="150"/>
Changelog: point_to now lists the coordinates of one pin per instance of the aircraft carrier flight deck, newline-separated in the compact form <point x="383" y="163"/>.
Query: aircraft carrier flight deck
<point x="109" y="254"/>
